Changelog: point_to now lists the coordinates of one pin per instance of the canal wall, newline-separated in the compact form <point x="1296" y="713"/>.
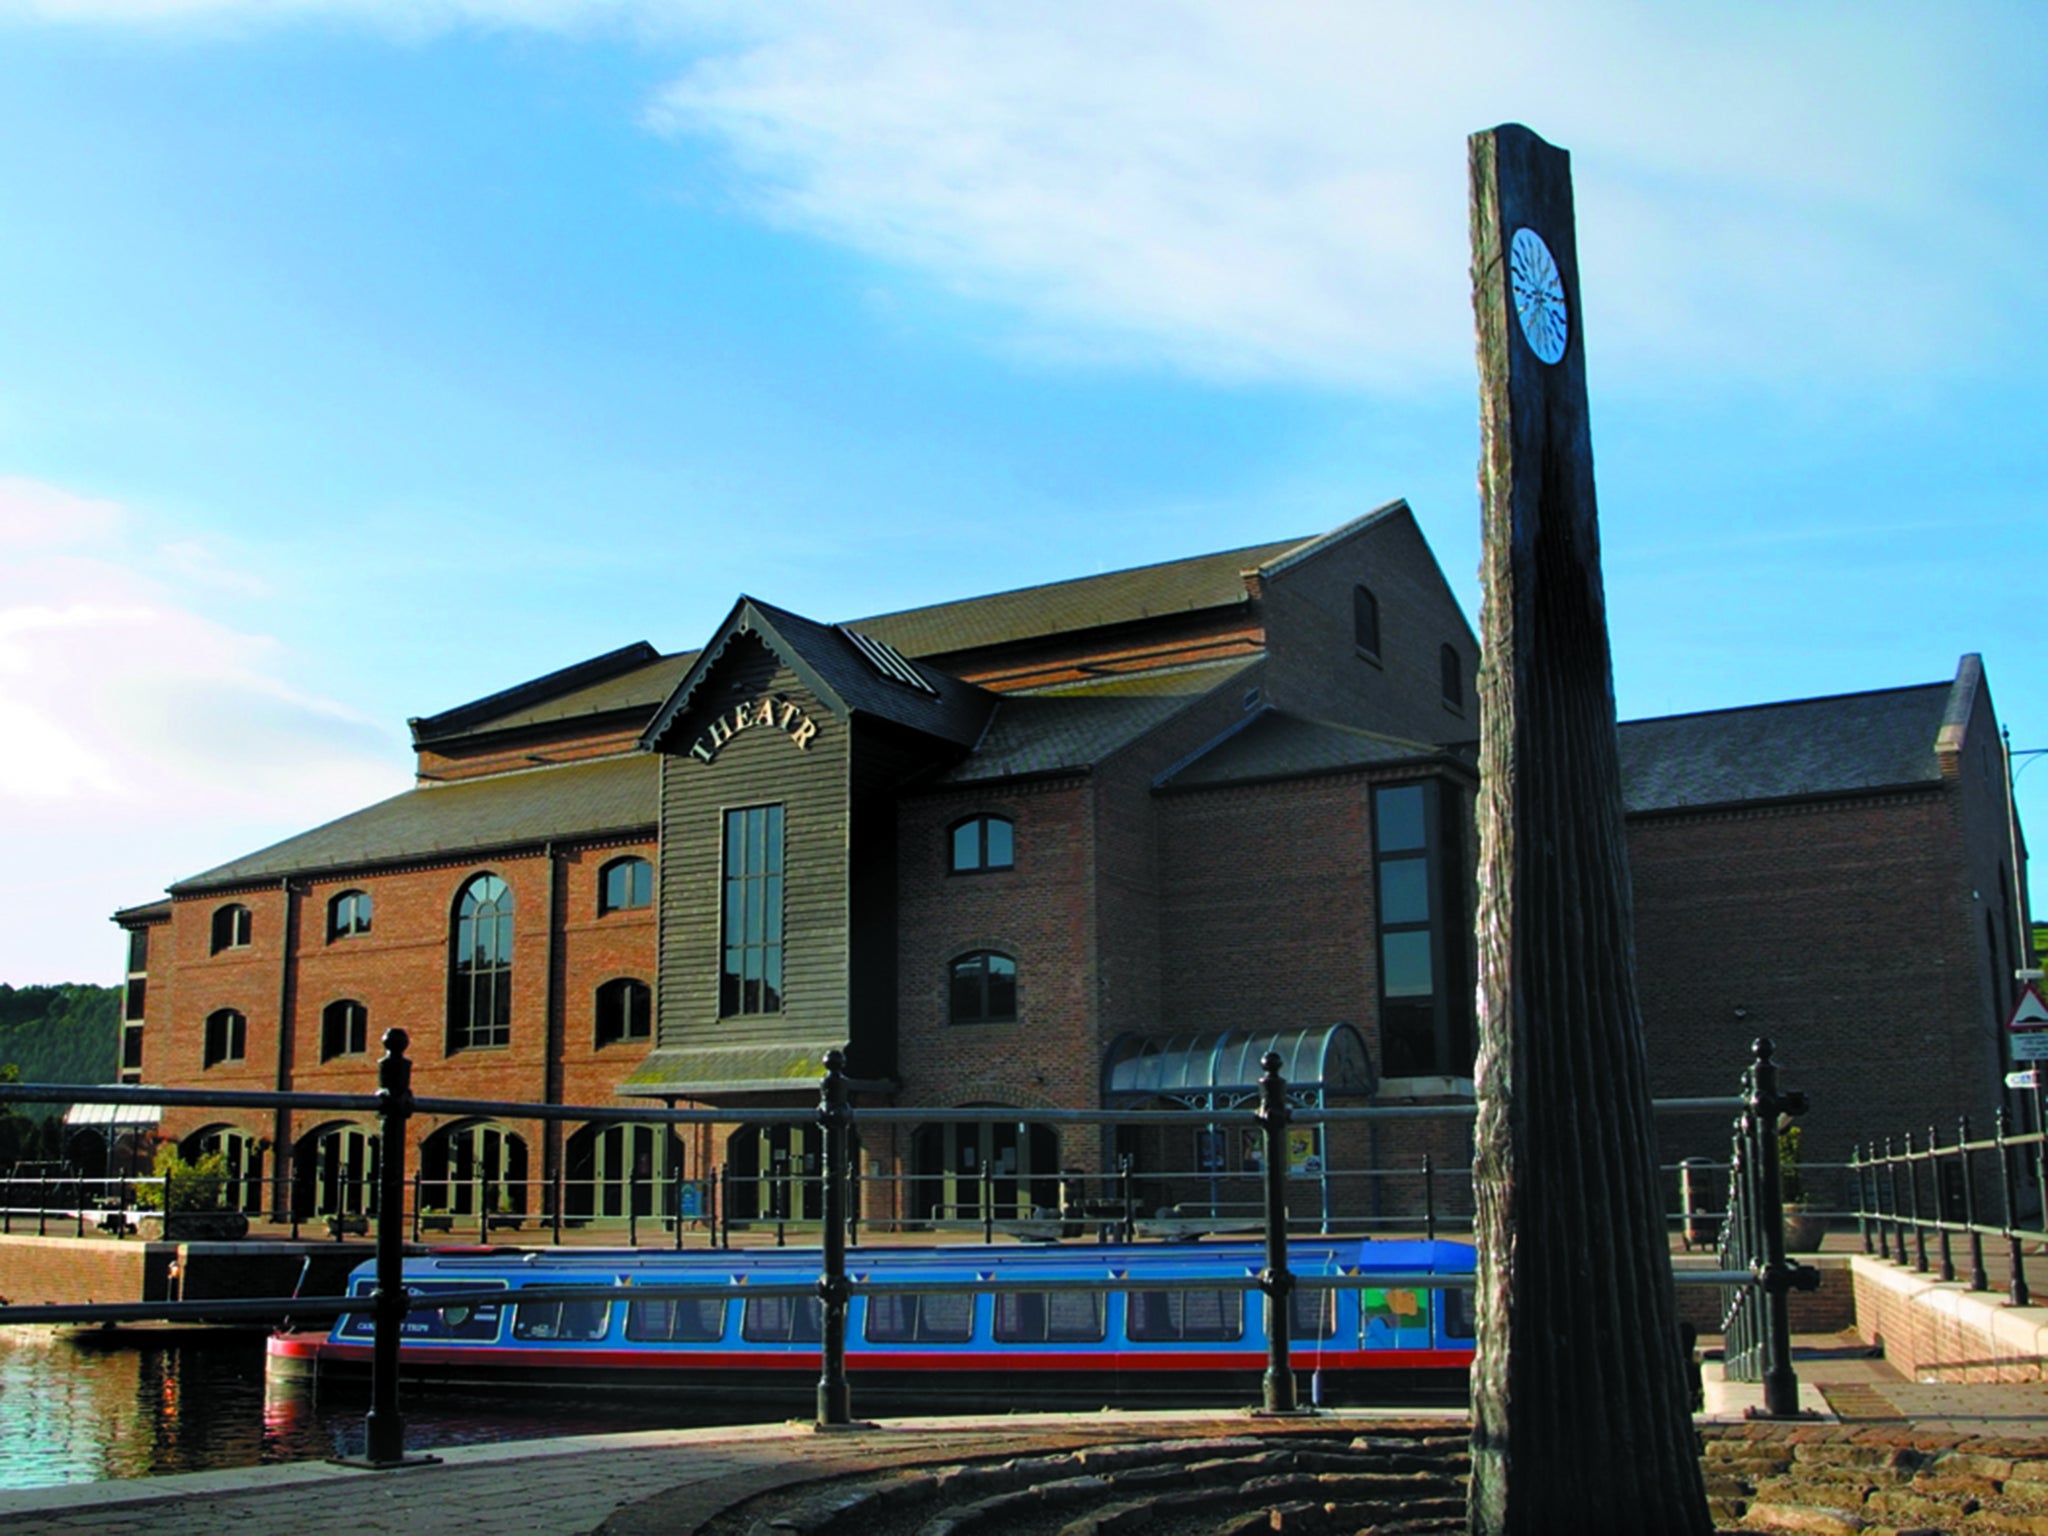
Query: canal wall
<point x="1936" y="1330"/>
<point x="34" y="1270"/>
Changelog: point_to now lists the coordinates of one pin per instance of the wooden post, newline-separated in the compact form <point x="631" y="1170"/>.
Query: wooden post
<point x="1581" y="1414"/>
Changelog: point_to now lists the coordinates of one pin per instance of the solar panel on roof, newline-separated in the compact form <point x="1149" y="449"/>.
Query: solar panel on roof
<point x="887" y="660"/>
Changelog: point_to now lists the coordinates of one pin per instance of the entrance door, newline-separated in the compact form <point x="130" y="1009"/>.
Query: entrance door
<point x="1017" y="1163"/>
<point x="335" y="1173"/>
<point x="774" y="1173"/>
<point x="467" y="1169"/>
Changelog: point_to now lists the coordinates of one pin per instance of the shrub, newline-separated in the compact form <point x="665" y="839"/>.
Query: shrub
<point x="186" y="1186"/>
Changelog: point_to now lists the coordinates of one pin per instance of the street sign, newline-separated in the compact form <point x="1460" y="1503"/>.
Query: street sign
<point x="2029" y="1012"/>
<point x="2027" y="1079"/>
<point x="2031" y="1045"/>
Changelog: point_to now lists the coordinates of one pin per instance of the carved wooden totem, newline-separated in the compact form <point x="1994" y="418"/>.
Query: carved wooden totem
<point x="1581" y="1420"/>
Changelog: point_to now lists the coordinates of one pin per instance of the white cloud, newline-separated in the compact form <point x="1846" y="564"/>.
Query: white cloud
<point x="1276" y="188"/>
<point x="146" y="737"/>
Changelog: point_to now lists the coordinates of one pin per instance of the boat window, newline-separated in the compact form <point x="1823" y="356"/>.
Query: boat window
<point x="901" y="1319"/>
<point x="1313" y="1312"/>
<point x="1458" y="1308"/>
<point x="1210" y="1317"/>
<point x="781" y="1320"/>
<point x="574" y="1322"/>
<point x="1395" y="1318"/>
<point x="686" y="1320"/>
<point x="1049" y="1317"/>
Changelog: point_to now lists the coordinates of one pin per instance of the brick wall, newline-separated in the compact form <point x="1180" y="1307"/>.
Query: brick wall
<point x="64" y="1269"/>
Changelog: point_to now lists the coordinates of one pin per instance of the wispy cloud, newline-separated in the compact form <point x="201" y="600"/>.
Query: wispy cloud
<point x="142" y="721"/>
<point x="1276" y="190"/>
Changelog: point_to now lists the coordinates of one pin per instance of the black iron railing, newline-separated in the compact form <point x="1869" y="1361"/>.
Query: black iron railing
<point x="1114" y="1215"/>
<point x="1908" y="1190"/>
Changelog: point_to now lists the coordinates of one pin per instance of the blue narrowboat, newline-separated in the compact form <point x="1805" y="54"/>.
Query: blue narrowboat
<point x="1170" y="1325"/>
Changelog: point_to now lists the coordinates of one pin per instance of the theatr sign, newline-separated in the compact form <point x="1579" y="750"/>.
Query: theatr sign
<point x="784" y="715"/>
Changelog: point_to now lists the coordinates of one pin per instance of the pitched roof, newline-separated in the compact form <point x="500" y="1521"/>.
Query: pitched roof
<point x="639" y="690"/>
<point x="1077" y="725"/>
<point x="1086" y="602"/>
<point x="1792" y="750"/>
<point x="538" y="692"/>
<point x="1276" y="745"/>
<point x="611" y="795"/>
<point x="834" y="668"/>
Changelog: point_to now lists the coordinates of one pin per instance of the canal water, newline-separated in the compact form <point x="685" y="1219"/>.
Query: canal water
<point x="73" y="1413"/>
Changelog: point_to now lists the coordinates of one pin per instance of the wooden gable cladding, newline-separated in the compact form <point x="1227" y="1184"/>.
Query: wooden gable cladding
<point x="750" y="763"/>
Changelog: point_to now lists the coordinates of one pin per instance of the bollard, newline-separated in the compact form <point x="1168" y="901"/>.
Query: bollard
<point x="2016" y="1293"/>
<point x="383" y="1429"/>
<point x="1979" y="1281"/>
<point x="1276" y="1280"/>
<point x="834" y="1407"/>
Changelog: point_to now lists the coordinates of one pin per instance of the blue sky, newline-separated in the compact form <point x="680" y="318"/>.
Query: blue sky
<point x="360" y="357"/>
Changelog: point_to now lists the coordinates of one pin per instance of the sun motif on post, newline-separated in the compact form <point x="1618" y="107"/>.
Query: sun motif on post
<point x="1539" y="295"/>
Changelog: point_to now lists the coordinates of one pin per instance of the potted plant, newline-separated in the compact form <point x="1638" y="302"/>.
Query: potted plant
<point x="1804" y="1226"/>
<point x="434" y="1218"/>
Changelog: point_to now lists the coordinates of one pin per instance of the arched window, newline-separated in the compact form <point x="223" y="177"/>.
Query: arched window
<point x="348" y="914"/>
<point x="625" y="885"/>
<point x="480" y="973"/>
<point x="984" y="989"/>
<point x="983" y="842"/>
<point x="1365" y="621"/>
<point x="625" y="1011"/>
<point x="344" y="1029"/>
<point x="231" y="927"/>
<point x="1454" y="679"/>
<point x="227" y="1037"/>
<point x="241" y="1158"/>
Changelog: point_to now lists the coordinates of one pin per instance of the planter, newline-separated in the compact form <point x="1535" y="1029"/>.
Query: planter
<point x="439" y="1221"/>
<point x="348" y="1226"/>
<point x="196" y="1227"/>
<point x="1804" y="1230"/>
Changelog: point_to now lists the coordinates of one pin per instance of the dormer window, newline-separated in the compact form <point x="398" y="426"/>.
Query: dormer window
<point x="983" y="842"/>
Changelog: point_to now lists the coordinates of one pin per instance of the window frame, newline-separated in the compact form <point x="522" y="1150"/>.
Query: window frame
<point x="240" y="927"/>
<point x="225" y="1038"/>
<point x="361" y="908"/>
<point x="470" y="983"/>
<point x="981" y="822"/>
<point x="1452" y="681"/>
<point x="629" y="988"/>
<point x="986" y="1014"/>
<point x="1365" y="621"/>
<point x="629" y="865"/>
<point x="759" y="930"/>
<point x="1446" y="906"/>
<point x="354" y="1030"/>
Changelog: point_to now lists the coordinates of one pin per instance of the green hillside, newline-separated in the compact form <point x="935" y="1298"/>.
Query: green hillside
<point x="61" y="1034"/>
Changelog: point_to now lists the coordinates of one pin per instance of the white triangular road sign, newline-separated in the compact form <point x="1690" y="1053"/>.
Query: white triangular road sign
<point x="2029" y="1012"/>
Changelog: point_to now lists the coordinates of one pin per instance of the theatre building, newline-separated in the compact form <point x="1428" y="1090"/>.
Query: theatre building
<point x="1097" y="843"/>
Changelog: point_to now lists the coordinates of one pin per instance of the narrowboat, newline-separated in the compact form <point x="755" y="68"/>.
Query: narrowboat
<point x="1173" y="1325"/>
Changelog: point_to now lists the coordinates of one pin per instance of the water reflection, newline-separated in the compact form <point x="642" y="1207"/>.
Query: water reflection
<point x="72" y="1412"/>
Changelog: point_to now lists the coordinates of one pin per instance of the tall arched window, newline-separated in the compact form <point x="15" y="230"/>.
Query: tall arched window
<point x="624" y="885"/>
<point x="231" y="927"/>
<point x="227" y="1037"/>
<point x="625" y="1011"/>
<point x="983" y="989"/>
<point x="480" y="973"/>
<point x="344" y="1029"/>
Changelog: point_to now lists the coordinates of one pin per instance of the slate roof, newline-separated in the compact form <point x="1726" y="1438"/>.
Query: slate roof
<point x="832" y="666"/>
<point x="614" y="794"/>
<point x="641" y="690"/>
<point x="1793" y="750"/>
<point x="1277" y="745"/>
<point x="1077" y="725"/>
<point x="1086" y="602"/>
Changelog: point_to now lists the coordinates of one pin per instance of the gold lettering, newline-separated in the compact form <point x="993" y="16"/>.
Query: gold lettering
<point x="789" y="712"/>
<point x="742" y="717"/>
<point x="764" y="712"/>
<point x="720" y="733"/>
<point x="701" y="750"/>
<point x="806" y="729"/>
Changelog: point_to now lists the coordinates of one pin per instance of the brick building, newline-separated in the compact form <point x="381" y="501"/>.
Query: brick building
<point x="1102" y="841"/>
